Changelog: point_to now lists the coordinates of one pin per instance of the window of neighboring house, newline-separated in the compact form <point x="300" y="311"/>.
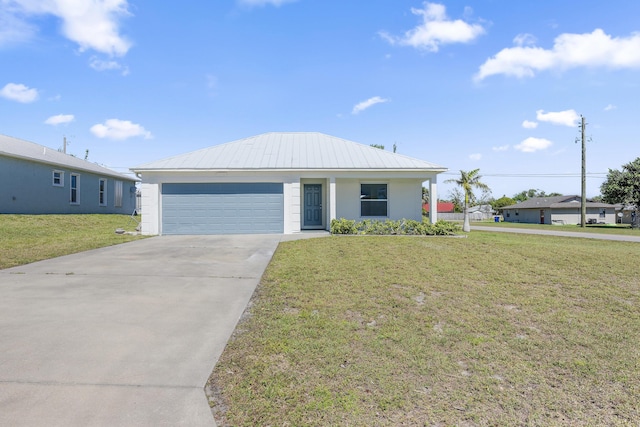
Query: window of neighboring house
<point x="58" y="179"/>
<point x="517" y="213"/>
<point x="117" y="194"/>
<point x="373" y="200"/>
<point x="508" y="214"/>
<point x="102" y="192"/>
<point x="74" y="196"/>
<point x="603" y="213"/>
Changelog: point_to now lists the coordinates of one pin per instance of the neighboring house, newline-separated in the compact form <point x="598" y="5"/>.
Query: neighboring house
<point x="281" y="183"/>
<point x="443" y="207"/>
<point x="480" y="212"/>
<point x="35" y="179"/>
<point x="558" y="210"/>
<point x="626" y="214"/>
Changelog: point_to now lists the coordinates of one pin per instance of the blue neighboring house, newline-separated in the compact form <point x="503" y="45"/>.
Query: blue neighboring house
<point x="35" y="179"/>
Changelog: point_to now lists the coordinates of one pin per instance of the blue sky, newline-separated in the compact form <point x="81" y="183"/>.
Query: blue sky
<point x="492" y="84"/>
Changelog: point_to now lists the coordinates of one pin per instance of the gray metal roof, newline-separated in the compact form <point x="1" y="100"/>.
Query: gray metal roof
<point x="554" y="202"/>
<point x="21" y="149"/>
<point x="291" y="151"/>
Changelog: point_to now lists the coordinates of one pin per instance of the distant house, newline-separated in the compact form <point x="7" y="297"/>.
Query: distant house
<point x="558" y="210"/>
<point x="35" y="179"/>
<point x="625" y="214"/>
<point x="443" y="207"/>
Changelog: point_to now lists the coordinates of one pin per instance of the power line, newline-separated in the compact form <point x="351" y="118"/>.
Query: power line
<point x="537" y="175"/>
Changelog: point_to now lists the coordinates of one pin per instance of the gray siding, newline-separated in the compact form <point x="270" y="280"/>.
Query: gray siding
<point x="565" y="215"/>
<point x="26" y="187"/>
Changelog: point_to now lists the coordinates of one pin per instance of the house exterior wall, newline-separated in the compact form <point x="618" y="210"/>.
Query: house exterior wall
<point x="404" y="195"/>
<point x="565" y="215"/>
<point x="531" y="216"/>
<point x="404" y="198"/>
<point x="27" y="187"/>
<point x="573" y="216"/>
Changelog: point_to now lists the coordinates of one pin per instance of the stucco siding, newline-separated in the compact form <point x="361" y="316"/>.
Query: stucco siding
<point x="27" y="188"/>
<point x="150" y="224"/>
<point x="404" y="198"/>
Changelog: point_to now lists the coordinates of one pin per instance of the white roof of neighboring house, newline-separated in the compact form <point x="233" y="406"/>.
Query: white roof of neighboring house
<point x="21" y="149"/>
<point x="291" y="151"/>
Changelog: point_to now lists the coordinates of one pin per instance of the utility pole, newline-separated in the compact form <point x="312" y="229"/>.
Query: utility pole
<point x="583" y="199"/>
<point x="64" y="145"/>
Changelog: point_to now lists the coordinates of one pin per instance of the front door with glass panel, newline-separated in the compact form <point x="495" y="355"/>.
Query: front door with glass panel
<point x="312" y="205"/>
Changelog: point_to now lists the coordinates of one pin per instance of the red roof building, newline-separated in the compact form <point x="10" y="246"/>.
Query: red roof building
<point x="443" y="207"/>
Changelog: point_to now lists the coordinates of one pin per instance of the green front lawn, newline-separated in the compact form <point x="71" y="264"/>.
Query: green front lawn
<point x="492" y="329"/>
<point x="28" y="238"/>
<point x="624" y="229"/>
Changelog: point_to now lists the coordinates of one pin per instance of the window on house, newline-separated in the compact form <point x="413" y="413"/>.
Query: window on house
<point x="117" y="194"/>
<point x="373" y="200"/>
<point x="517" y="213"/>
<point x="102" y="192"/>
<point x="508" y="214"/>
<point x="74" y="196"/>
<point x="58" y="179"/>
<point x="603" y="213"/>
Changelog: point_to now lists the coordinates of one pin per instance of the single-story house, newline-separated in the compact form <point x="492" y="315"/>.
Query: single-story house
<point x="35" y="179"/>
<point x="558" y="210"/>
<point x="281" y="182"/>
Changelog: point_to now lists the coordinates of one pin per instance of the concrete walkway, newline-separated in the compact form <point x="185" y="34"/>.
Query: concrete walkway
<point x="620" y="238"/>
<point x="125" y="335"/>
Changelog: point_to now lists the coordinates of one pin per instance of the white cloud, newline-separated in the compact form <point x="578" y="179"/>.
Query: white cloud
<point x="501" y="148"/>
<point x="100" y="65"/>
<point x="119" y="129"/>
<point x="475" y="156"/>
<point x="91" y="24"/>
<point x="529" y="124"/>
<point x="19" y="92"/>
<point x="524" y="40"/>
<point x="531" y="145"/>
<point x="368" y="103"/>
<point x="276" y="3"/>
<point x="610" y="107"/>
<point x="60" y="119"/>
<point x="595" y="49"/>
<point x="436" y="29"/>
<point x="563" y="118"/>
<point x="13" y="29"/>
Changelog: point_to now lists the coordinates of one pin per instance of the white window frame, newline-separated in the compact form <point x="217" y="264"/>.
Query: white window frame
<point x="385" y="200"/>
<point x="117" y="194"/>
<point x="60" y="178"/>
<point x="102" y="191"/>
<point x="76" y="189"/>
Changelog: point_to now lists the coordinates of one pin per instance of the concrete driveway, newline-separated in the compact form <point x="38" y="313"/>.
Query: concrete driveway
<point x="125" y="335"/>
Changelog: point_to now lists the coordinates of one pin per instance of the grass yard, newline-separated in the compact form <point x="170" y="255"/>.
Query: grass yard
<point x="492" y="329"/>
<point x="28" y="238"/>
<point x="620" y="229"/>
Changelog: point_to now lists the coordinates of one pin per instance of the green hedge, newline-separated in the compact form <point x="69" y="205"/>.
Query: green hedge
<point x="400" y="227"/>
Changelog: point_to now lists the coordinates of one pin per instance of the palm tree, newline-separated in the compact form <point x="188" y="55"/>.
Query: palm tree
<point x="468" y="181"/>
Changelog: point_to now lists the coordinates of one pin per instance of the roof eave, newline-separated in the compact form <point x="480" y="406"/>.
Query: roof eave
<point x="112" y="174"/>
<point x="434" y="170"/>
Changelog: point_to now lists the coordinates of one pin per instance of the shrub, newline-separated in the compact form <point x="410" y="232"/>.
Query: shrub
<point x="343" y="226"/>
<point x="387" y="227"/>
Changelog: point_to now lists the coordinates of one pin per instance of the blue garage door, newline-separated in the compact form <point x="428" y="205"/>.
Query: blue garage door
<point x="222" y="208"/>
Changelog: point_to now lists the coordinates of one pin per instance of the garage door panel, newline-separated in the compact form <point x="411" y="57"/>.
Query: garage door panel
<point x="222" y="208"/>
